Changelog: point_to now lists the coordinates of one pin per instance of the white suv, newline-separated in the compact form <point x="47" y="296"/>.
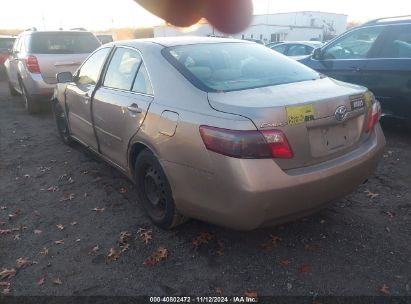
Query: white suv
<point x="37" y="57"/>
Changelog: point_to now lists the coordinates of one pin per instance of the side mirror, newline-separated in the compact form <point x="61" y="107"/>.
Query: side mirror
<point x="64" y="77"/>
<point x="317" y="54"/>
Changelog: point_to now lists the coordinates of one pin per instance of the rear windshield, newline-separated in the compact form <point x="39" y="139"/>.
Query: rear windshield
<point x="235" y="66"/>
<point x="6" y="43"/>
<point x="63" y="43"/>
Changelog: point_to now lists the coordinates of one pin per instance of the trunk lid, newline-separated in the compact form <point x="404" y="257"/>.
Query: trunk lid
<point x="322" y="119"/>
<point x="52" y="64"/>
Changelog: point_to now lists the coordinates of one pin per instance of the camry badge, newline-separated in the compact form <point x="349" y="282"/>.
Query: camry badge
<point x="341" y="113"/>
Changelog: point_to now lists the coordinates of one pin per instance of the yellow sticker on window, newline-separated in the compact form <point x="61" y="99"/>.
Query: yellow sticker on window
<point x="368" y="99"/>
<point x="300" y="114"/>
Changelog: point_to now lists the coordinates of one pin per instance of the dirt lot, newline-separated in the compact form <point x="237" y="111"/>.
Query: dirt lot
<point x="60" y="203"/>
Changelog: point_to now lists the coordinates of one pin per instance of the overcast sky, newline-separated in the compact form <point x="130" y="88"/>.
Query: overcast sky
<point x="103" y="14"/>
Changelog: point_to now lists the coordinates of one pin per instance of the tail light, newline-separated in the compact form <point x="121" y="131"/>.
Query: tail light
<point x="246" y="144"/>
<point x="33" y="64"/>
<point x="374" y="115"/>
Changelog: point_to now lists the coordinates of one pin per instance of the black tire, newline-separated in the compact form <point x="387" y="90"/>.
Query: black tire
<point x="12" y="90"/>
<point x="155" y="193"/>
<point x="62" y="124"/>
<point x="30" y="103"/>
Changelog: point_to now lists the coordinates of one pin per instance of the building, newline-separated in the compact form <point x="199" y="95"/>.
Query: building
<point x="273" y="27"/>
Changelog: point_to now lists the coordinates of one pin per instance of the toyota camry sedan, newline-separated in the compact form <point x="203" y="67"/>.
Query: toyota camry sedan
<point x="220" y="130"/>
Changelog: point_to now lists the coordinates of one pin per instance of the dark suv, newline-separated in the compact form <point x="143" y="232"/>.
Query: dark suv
<point x="376" y="55"/>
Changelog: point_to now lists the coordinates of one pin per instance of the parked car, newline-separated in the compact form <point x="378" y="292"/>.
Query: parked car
<point x="37" y="57"/>
<point x="6" y="43"/>
<point x="105" y="38"/>
<point x="221" y="130"/>
<point x="376" y="55"/>
<point x="296" y="48"/>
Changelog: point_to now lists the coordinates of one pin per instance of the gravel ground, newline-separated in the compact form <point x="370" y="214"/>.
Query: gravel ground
<point x="66" y="209"/>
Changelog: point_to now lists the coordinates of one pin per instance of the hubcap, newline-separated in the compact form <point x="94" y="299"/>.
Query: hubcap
<point x="155" y="192"/>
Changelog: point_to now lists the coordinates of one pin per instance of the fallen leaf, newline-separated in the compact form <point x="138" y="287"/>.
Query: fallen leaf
<point x="17" y="237"/>
<point x="113" y="254"/>
<point x="70" y="180"/>
<point x="5" y="231"/>
<point x="122" y="190"/>
<point x="53" y="189"/>
<point x="23" y="263"/>
<point x="6" y="291"/>
<point x="370" y="194"/>
<point x="250" y="294"/>
<point x="44" y="169"/>
<point x="3" y="207"/>
<point x="385" y="289"/>
<point x="95" y="249"/>
<point x="272" y="243"/>
<point x="60" y="242"/>
<point x="57" y="281"/>
<point x="285" y="263"/>
<point x="125" y="247"/>
<point x="5" y="284"/>
<point x="73" y="223"/>
<point x="159" y="255"/>
<point x="390" y="214"/>
<point x="42" y="279"/>
<point x="146" y="236"/>
<point x="312" y="247"/>
<point x="220" y="248"/>
<point x="7" y="273"/>
<point x="99" y="210"/>
<point x="218" y="290"/>
<point x="67" y="197"/>
<point x="37" y="231"/>
<point x="15" y="214"/>
<point x="78" y="240"/>
<point x="26" y="175"/>
<point x="322" y="222"/>
<point x="202" y="239"/>
<point x="45" y="251"/>
<point x="303" y="269"/>
<point x="60" y="226"/>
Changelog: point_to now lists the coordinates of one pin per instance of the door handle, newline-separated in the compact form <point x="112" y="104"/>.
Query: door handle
<point x="134" y="108"/>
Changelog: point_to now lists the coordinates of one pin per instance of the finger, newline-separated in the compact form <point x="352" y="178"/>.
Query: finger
<point x="182" y="13"/>
<point x="228" y="16"/>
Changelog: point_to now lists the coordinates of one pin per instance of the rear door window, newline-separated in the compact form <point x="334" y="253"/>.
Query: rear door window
<point x="398" y="43"/>
<point x="122" y="69"/>
<point x="280" y="48"/>
<point x="297" y="50"/>
<point x="63" y="43"/>
<point x="142" y="83"/>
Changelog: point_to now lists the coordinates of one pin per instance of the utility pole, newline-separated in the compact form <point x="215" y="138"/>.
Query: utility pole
<point x="44" y="21"/>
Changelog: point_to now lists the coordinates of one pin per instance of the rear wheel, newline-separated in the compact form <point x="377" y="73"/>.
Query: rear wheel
<point x="12" y="90"/>
<point x="29" y="102"/>
<point x="154" y="192"/>
<point x="62" y="123"/>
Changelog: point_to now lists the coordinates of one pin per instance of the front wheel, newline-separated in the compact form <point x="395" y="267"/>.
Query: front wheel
<point x="62" y="124"/>
<point x="154" y="192"/>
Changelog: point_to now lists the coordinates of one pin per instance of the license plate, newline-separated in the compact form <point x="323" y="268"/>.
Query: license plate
<point x="300" y="114"/>
<point x="357" y="104"/>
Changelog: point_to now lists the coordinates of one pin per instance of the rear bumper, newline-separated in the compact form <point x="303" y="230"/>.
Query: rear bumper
<point x="247" y="194"/>
<point x="37" y="87"/>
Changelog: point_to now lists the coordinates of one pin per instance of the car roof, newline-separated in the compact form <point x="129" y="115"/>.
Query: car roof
<point x="177" y="41"/>
<point x="389" y="20"/>
<point x="31" y="32"/>
<point x="309" y="43"/>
